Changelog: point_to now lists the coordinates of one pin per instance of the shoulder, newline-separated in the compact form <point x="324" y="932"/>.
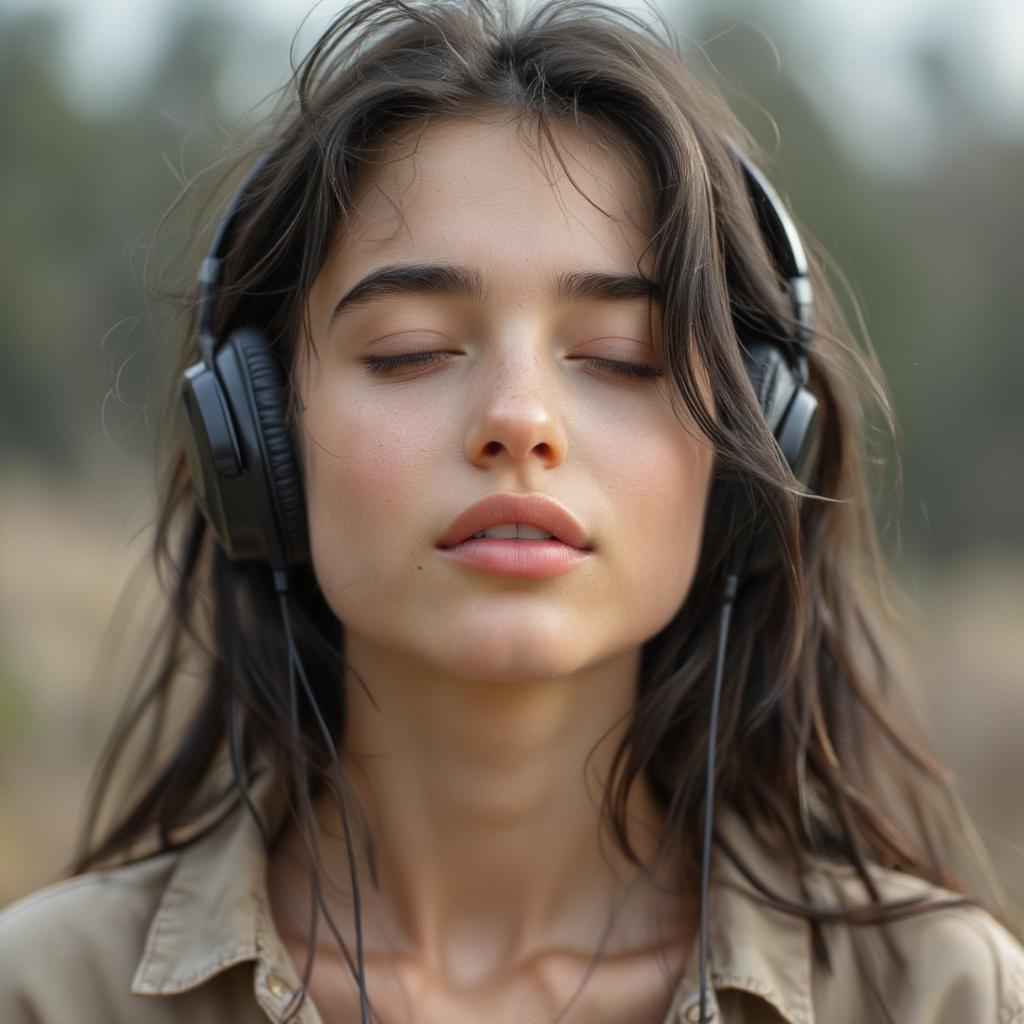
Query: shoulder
<point x="84" y="907"/>
<point x="939" y="963"/>
<point x="82" y="935"/>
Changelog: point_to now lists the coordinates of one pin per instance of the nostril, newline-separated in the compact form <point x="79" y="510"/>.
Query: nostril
<point x="542" y="449"/>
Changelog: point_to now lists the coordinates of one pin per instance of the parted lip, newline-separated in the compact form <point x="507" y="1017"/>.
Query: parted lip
<point x="529" y="509"/>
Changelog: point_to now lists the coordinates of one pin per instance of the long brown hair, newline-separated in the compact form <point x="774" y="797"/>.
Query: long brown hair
<point x="810" y="752"/>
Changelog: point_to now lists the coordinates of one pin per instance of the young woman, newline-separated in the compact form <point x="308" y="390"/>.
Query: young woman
<point x="519" y="522"/>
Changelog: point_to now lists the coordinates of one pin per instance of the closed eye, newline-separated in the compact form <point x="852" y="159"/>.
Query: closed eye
<point x="383" y="365"/>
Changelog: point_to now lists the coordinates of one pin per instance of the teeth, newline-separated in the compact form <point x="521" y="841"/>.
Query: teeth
<point x="513" y="531"/>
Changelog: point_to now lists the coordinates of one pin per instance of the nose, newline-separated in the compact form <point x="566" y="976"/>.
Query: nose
<point x="518" y="421"/>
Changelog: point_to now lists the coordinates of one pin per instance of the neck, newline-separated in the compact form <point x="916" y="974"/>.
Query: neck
<point x="484" y="800"/>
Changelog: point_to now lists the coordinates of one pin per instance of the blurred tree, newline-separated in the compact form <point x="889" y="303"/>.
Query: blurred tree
<point x="80" y="197"/>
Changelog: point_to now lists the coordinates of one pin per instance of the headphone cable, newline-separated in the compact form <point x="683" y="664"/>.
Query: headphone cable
<point x="728" y="596"/>
<point x="295" y="665"/>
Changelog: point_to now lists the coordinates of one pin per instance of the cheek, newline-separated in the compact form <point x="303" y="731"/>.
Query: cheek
<point x="661" y="493"/>
<point x="365" y="485"/>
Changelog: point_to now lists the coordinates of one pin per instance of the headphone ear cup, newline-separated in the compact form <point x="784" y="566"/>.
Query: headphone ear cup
<point x="212" y="451"/>
<point x="240" y="453"/>
<point x="791" y="413"/>
<point x="265" y="397"/>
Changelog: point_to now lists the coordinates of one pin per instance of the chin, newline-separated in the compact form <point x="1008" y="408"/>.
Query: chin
<point x="505" y="658"/>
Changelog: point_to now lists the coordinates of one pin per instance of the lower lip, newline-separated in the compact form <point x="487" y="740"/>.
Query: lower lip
<point x="529" y="559"/>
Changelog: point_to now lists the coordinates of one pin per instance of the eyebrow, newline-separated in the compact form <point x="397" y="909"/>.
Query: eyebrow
<point x="466" y="282"/>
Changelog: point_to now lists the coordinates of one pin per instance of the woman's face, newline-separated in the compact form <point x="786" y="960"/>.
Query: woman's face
<point x="511" y="406"/>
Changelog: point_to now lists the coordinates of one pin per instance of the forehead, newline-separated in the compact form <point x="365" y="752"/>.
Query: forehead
<point x="482" y="192"/>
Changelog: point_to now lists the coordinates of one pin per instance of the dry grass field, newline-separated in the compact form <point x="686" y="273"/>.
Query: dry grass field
<point x="65" y="554"/>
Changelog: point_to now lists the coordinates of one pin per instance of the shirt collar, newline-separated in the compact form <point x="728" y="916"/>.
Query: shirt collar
<point x="753" y="946"/>
<point x="215" y="913"/>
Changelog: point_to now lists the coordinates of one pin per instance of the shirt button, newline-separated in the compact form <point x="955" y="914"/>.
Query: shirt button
<point x="278" y="987"/>
<point x="692" y="1013"/>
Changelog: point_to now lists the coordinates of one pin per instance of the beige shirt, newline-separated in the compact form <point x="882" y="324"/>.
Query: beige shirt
<point x="188" y="936"/>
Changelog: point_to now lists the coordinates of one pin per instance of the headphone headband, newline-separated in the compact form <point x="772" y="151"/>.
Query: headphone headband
<point x="787" y="252"/>
<point x="220" y="246"/>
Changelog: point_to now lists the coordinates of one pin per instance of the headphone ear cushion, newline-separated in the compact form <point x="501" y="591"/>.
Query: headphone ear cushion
<point x="266" y="381"/>
<point x="770" y="377"/>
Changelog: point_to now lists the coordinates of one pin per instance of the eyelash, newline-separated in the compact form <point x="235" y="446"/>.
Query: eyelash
<point x="382" y="365"/>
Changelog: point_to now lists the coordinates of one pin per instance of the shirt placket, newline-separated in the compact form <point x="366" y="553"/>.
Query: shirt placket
<point x="276" y="986"/>
<point x="274" y="981"/>
<point x="685" y="1008"/>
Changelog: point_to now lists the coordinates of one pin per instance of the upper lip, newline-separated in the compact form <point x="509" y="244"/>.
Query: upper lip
<point x="529" y="509"/>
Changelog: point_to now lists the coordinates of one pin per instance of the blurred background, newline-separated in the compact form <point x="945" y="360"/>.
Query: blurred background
<point x="897" y="134"/>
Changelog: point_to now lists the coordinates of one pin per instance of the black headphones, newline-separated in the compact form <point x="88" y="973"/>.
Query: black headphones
<point x="243" y="461"/>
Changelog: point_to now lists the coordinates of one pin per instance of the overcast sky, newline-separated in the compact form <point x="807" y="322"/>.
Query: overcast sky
<point x="859" y="48"/>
